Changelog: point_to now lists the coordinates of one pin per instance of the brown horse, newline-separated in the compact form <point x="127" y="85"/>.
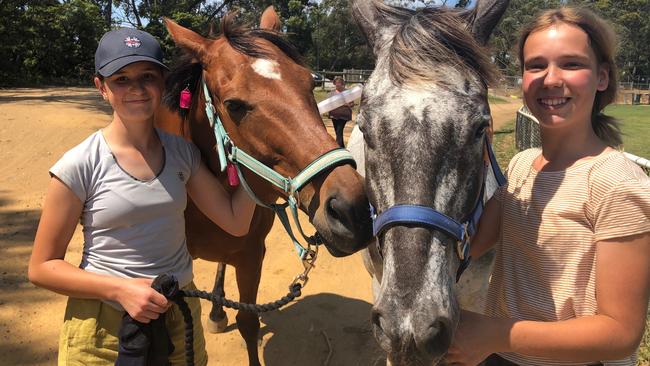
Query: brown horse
<point x="263" y="95"/>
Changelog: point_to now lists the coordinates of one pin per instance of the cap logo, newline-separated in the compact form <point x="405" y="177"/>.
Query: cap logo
<point x="132" y="42"/>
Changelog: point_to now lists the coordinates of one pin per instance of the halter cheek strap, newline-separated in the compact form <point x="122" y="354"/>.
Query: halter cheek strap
<point x="423" y="216"/>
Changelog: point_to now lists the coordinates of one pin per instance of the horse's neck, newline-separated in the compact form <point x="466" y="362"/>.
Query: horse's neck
<point x="170" y="122"/>
<point x="357" y="147"/>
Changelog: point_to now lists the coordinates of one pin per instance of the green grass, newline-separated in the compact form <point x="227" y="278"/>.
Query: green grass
<point x="496" y="100"/>
<point x="636" y="127"/>
<point x="504" y="144"/>
<point x="320" y="94"/>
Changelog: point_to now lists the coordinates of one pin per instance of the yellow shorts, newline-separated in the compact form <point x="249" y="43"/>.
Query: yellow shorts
<point x="90" y="329"/>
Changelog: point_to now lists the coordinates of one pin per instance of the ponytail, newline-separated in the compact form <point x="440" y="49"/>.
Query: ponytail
<point x="608" y="129"/>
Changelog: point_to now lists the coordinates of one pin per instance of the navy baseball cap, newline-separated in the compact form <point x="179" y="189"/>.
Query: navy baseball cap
<point x="124" y="46"/>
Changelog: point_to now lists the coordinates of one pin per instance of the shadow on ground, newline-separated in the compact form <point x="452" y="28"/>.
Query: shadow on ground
<point x="90" y="100"/>
<point x="18" y="298"/>
<point x="322" y="329"/>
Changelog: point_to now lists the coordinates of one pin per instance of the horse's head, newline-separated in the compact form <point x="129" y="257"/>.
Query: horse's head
<point x="424" y="115"/>
<point x="263" y="95"/>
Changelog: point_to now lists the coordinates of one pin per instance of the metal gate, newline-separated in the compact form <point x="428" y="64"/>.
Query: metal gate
<point x="526" y="130"/>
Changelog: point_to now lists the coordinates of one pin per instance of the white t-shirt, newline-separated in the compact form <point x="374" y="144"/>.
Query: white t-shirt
<point x="132" y="228"/>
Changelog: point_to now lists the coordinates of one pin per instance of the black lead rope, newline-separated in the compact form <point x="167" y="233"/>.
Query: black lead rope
<point x="167" y="285"/>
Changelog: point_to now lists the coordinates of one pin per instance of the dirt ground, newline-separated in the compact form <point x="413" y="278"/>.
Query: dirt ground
<point x="329" y="324"/>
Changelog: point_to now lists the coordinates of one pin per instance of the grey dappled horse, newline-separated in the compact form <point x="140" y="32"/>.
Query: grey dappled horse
<point x="424" y="118"/>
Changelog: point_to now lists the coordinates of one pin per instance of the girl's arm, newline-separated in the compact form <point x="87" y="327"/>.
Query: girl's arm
<point x="489" y="226"/>
<point x="48" y="269"/>
<point x="233" y="213"/>
<point x="622" y="290"/>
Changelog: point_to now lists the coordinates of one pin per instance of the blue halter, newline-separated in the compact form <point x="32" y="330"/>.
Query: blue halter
<point x="427" y="217"/>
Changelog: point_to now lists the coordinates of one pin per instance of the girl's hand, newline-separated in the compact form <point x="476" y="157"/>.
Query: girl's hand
<point x="473" y="340"/>
<point x="142" y="302"/>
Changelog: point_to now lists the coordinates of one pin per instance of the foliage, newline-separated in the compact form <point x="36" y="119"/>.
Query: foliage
<point x="53" y="41"/>
<point x="47" y="41"/>
<point x="338" y="43"/>
<point x="630" y="18"/>
<point x="504" y="38"/>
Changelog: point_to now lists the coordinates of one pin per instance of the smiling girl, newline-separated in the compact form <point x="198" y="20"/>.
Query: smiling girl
<point x="572" y="227"/>
<point x="128" y="185"/>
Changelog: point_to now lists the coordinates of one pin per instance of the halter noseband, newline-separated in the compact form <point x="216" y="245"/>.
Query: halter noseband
<point x="228" y="152"/>
<point x="427" y="217"/>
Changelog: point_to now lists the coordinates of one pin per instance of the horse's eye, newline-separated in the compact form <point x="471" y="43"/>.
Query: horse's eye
<point x="480" y="131"/>
<point x="236" y="108"/>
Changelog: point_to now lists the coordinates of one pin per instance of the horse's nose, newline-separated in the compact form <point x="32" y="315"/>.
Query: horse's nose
<point x="349" y="218"/>
<point x="428" y="340"/>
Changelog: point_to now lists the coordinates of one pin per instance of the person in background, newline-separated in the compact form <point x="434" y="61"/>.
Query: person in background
<point x="572" y="226"/>
<point x="128" y="185"/>
<point x="341" y="115"/>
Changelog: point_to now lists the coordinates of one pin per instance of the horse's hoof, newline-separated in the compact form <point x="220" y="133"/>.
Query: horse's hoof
<point x="218" y="326"/>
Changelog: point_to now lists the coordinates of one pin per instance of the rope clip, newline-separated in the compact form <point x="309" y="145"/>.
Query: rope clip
<point x="308" y="260"/>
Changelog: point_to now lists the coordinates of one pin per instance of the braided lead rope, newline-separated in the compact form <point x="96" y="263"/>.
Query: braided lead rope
<point x="294" y="291"/>
<point x="189" y="328"/>
<point x="170" y="290"/>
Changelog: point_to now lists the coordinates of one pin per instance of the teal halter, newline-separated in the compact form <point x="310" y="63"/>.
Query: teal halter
<point x="228" y="152"/>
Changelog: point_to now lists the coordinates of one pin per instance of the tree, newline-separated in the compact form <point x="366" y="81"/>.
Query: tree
<point x="504" y="38"/>
<point x="338" y="43"/>
<point x="48" y="41"/>
<point x="631" y="20"/>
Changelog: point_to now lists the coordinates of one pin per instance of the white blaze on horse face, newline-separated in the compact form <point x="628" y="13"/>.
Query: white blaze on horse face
<point x="268" y="68"/>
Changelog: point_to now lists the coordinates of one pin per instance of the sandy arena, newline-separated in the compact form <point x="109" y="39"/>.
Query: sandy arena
<point x="328" y="325"/>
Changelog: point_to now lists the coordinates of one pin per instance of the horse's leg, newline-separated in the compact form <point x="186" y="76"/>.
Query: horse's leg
<point x="218" y="320"/>
<point x="249" y="271"/>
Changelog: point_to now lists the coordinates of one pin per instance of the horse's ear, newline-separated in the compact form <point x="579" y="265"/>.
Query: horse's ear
<point x="270" y="20"/>
<point x="187" y="39"/>
<point x="484" y="18"/>
<point x="366" y="14"/>
<point x="376" y="21"/>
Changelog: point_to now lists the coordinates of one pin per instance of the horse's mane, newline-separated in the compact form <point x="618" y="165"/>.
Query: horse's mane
<point x="186" y="71"/>
<point x="430" y="37"/>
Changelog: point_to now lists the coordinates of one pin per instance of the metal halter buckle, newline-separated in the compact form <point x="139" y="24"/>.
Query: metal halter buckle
<point x="461" y="245"/>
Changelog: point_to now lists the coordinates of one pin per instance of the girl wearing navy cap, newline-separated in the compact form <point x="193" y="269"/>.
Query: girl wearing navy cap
<point x="127" y="184"/>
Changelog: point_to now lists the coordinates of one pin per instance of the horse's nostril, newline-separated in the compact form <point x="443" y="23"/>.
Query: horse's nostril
<point x="376" y="318"/>
<point x="380" y="332"/>
<point x="333" y="209"/>
<point x="436" y="338"/>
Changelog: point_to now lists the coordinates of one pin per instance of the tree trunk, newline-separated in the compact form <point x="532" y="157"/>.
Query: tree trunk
<point x="108" y="13"/>
<point x="135" y="13"/>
